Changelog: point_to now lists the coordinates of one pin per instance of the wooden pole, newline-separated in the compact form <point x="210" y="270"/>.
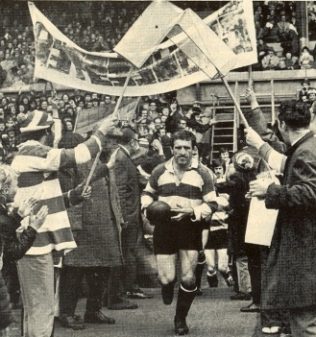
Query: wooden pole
<point x="115" y="113"/>
<point x="241" y="115"/>
<point x="250" y="79"/>
<point x="118" y="103"/>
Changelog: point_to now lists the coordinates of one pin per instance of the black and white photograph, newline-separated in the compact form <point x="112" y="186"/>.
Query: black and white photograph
<point x="157" y="168"/>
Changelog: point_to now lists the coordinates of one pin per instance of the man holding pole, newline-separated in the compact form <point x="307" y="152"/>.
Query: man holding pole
<point x="38" y="164"/>
<point x="289" y="280"/>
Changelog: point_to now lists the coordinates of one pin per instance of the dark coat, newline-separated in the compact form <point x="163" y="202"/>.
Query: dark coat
<point x="99" y="239"/>
<point x="13" y="249"/>
<point x="126" y="177"/>
<point x="290" y="277"/>
<point x="237" y="186"/>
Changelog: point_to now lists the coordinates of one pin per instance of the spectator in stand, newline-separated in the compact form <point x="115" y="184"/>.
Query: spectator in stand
<point x="306" y="59"/>
<point x="270" y="31"/>
<point x="270" y="61"/>
<point x="224" y="156"/>
<point x="311" y="94"/>
<point x="289" y="61"/>
<point x="283" y="27"/>
<point x="303" y="91"/>
<point x="153" y="110"/>
<point x="262" y="48"/>
<point x="312" y="26"/>
<point x="174" y="117"/>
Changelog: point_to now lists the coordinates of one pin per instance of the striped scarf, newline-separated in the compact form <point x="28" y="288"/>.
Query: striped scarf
<point x="36" y="181"/>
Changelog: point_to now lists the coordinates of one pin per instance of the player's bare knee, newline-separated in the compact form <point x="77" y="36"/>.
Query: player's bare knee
<point x="188" y="280"/>
<point x="165" y="279"/>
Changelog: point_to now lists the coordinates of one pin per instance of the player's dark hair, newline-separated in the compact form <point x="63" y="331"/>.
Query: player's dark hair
<point x="183" y="135"/>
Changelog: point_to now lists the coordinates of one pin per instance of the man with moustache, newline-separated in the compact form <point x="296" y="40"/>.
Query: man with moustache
<point x="184" y="189"/>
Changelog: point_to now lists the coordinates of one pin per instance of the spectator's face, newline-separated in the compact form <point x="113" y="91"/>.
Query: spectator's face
<point x="13" y="110"/>
<point x="164" y="118"/>
<point x="68" y="125"/>
<point x="282" y="64"/>
<point x="10" y="123"/>
<point x="2" y="127"/>
<point x="4" y="102"/>
<point x="146" y="106"/>
<point x="95" y="103"/>
<point x="94" y="96"/>
<point x="198" y="118"/>
<point x="65" y="98"/>
<point x="33" y="105"/>
<point x="182" y="124"/>
<point x="144" y="114"/>
<point x="182" y="152"/>
<point x="219" y="171"/>
<point x="21" y="108"/>
<point x="288" y="56"/>
<point x="72" y="103"/>
<point x="174" y="106"/>
<point x="107" y="100"/>
<point x="165" y="111"/>
<point x="153" y="106"/>
<point x="87" y="98"/>
<point x="134" y="144"/>
<point x="11" y="134"/>
<point x="225" y="156"/>
<point x="157" y="123"/>
<point x="312" y="97"/>
<point x="162" y="131"/>
<point x="44" y="105"/>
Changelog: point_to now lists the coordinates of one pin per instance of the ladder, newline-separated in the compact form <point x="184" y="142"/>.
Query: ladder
<point x="224" y="132"/>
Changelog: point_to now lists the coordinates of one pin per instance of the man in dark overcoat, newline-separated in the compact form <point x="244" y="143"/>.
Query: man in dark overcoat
<point x="99" y="245"/>
<point x="290" y="276"/>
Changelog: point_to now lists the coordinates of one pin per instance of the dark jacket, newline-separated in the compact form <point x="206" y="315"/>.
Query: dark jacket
<point x="289" y="278"/>
<point x="237" y="186"/>
<point x="98" y="239"/>
<point x="126" y="177"/>
<point x="13" y="249"/>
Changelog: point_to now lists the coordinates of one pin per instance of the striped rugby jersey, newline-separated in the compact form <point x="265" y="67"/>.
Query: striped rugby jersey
<point x="195" y="190"/>
<point x="37" y="166"/>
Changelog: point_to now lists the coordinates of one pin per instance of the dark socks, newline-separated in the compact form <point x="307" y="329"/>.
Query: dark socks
<point x="167" y="292"/>
<point x="185" y="298"/>
<point x="198" y="273"/>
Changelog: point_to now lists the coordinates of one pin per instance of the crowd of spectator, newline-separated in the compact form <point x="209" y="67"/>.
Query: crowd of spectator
<point x="99" y="26"/>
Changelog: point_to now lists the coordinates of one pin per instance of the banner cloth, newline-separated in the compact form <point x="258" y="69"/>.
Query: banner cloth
<point x="59" y="60"/>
